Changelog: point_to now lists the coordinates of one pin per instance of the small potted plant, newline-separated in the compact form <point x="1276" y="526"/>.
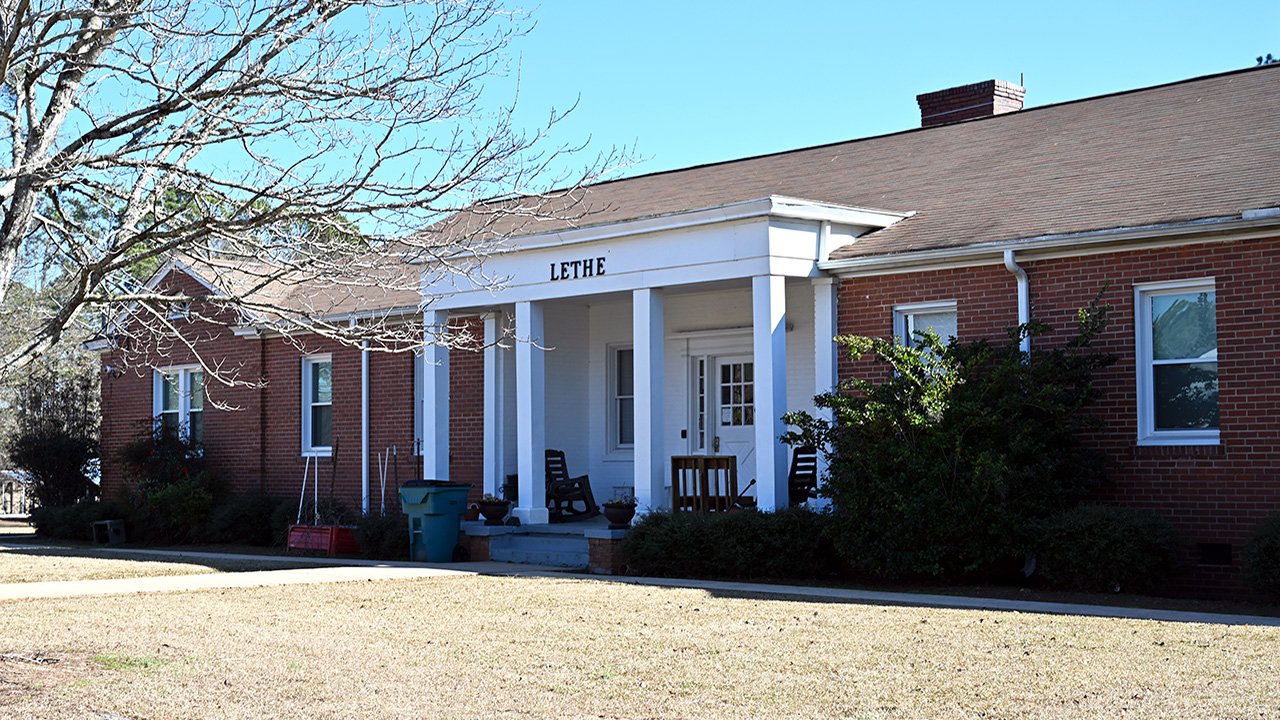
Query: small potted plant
<point x="493" y="508"/>
<point x="619" y="511"/>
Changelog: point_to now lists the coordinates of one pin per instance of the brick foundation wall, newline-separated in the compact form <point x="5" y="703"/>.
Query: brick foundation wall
<point x="605" y="556"/>
<point x="1214" y="495"/>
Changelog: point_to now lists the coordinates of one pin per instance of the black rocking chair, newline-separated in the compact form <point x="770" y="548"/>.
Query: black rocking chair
<point x="802" y="481"/>
<point x="565" y="494"/>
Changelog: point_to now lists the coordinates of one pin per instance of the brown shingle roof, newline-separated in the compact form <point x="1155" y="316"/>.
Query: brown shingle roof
<point x="1207" y="147"/>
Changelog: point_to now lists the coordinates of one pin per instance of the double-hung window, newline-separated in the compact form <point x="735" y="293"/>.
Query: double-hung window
<point x="178" y="402"/>
<point x="317" y="405"/>
<point x="622" y="398"/>
<point x="939" y="317"/>
<point x="1177" y="362"/>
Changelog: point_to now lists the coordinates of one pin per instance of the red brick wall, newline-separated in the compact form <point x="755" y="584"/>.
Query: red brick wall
<point x="466" y="406"/>
<point x="255" y="441"/>
<point x="1212" y="494"/>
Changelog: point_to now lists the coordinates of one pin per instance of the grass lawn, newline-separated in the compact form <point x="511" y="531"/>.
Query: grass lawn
<point x="482" y="647"/>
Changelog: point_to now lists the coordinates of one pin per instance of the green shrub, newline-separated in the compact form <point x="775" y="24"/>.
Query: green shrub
<point x="244" y="520"/>
<point x="1098" y="548"/>
<point x="174" y="490"/>
<point x="945" y="467"/>
<point x="1262" y="557"/>
<point x="383" y="537"/>
<point x="787" y="543"/>
<point x="72" y="521"/>
<point x="160" y="455"/>
<point x="175" y="513"/>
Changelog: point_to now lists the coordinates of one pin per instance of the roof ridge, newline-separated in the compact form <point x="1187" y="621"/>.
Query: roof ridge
<point x="808" y="148"/>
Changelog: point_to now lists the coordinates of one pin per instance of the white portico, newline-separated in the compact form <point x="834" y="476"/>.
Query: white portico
<point x="630" y="342"/>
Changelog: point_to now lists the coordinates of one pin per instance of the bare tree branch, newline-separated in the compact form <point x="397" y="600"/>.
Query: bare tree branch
<point x="292" y="154"/>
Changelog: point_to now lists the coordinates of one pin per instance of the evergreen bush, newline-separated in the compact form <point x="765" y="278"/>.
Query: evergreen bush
<point x="383" y="537"/>
<point x="244" y="520"/>
<point x="1262" y="557"/>
<point x="1097" y="548"/>
<point x="71" y="522"/>
<point x="173" y="491"/>
<point x="945" y="468"/>
<point x="787" y="543"/>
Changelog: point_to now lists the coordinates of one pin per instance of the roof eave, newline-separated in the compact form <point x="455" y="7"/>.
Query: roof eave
<point x="1251" y="224"/>
<point x="771" y="206"/>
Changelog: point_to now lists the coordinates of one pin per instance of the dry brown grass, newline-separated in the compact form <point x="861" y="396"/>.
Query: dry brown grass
<point x="481" y="647"/>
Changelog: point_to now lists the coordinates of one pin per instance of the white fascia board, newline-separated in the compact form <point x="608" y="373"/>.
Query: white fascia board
<point x="98" y="345"/>
<point x="774" y="205"/>
<point x="380" y="314"/>
<point x="266" y="330"/>
<point x="1247" y="227"/>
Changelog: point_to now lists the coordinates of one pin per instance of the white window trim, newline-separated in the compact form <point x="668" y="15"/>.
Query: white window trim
<point x="308" y="362"/>
<point x="1144" y="366"/>
<point x="419" y="378"/>
<point x="903" y="316"/>
<point x="614" y="449"/>
<point x="184" y="395"/>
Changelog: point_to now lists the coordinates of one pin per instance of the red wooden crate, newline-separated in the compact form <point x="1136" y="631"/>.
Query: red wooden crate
<point x="329" y="539"/>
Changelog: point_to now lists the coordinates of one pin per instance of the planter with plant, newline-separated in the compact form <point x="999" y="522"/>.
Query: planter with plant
<point x="619" y="511"/>
<point x="494" y="509"/>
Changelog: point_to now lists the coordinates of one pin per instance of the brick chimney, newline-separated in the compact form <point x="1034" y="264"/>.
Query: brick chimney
<point x="993" y="97"/>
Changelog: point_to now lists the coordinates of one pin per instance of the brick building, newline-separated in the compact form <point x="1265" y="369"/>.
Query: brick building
<point x="688" y="310"/>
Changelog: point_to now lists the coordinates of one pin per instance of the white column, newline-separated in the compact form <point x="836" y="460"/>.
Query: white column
<point x="435" y="398"/>
<point x="825" y="351"/>
<point x="647" y="327"/>
<point x="531" y="393"/>
<point x="493" y="393"/>
<point x="769" y="340"/>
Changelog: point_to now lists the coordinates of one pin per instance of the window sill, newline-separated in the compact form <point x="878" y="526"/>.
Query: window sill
<point x="620" y="455"/>
<point x="1178" y="450"/>
<point x="327" y="452"/>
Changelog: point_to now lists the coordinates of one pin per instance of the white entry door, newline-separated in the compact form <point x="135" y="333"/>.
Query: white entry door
<point x="733" y="414"/>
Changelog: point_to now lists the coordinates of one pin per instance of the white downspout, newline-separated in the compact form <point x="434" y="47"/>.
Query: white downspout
<point x="364" y="426"/>
<point x="1024" y="296"/>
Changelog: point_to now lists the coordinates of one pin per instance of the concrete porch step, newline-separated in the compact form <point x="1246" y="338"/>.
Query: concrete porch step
<point x="569" y="551"/>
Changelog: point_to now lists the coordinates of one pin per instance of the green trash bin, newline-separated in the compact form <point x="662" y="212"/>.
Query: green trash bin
<point x="435" y="512"/>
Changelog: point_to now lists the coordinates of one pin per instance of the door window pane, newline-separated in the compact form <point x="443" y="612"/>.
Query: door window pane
<point x="736" y="394"/>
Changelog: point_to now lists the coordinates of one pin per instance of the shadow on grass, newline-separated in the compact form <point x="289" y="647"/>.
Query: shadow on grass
<point x="244" y="562"/>
<point x="994" y="599"/>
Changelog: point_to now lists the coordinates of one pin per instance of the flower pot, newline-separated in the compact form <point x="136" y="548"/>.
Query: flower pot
<point x="493" y="512"/>
<point x="619" y="514"/>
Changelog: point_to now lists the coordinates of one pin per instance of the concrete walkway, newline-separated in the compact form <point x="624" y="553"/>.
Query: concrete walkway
<point x="348" y="570"/>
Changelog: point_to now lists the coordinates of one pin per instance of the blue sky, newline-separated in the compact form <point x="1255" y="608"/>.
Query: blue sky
<point x="695" y="82"/>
